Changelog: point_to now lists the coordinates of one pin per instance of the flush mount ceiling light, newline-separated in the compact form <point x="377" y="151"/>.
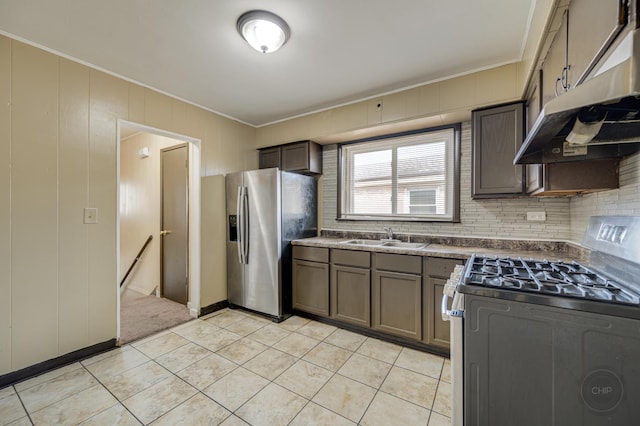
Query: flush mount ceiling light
<point x="263" y="30"/>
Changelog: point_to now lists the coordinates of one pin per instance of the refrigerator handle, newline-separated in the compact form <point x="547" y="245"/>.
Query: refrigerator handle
<point x="245" y="225"/>
<point x="239" y="205"/>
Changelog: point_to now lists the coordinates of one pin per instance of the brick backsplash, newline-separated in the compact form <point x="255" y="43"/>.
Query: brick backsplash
<point x="622" y="201"/>
<point x="503" y="218"/>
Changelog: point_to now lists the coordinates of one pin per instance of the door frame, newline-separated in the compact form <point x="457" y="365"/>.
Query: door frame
<point x="194" y="212"/>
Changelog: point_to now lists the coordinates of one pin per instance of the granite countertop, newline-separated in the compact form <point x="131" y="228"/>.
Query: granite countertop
<point x="464" y="249"/>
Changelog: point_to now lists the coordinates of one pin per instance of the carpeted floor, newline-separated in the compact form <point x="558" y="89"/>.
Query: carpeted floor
<point x="141" y="315"/>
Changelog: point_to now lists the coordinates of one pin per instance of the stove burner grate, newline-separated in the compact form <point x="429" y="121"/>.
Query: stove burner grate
<point x="552" y="278"/>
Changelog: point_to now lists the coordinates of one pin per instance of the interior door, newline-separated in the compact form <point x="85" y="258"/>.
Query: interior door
<point x="175" y="223"/>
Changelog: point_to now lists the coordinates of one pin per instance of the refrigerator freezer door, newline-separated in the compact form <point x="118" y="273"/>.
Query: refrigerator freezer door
<point x="262" y="270"/>
<point x="235" y="270"/>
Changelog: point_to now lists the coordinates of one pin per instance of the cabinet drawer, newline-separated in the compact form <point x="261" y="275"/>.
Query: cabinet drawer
<point x="360" y="259"/>
<point x="439" y="267"/>
<point x="398" y="263"/>
<point x="314" y="254"/>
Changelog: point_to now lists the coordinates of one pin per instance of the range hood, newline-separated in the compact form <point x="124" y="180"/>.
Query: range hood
<point x="607" y="105"/>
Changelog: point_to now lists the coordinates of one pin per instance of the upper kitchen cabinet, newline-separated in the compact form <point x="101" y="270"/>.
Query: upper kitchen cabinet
<point x="587" y="29"/>
<point x="301" y="157"/>
<point x="498" y="133"/>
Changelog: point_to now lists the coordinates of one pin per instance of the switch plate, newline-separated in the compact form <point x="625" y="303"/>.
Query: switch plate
<point x="537" y="216"/>
<point x="90" y="215"/>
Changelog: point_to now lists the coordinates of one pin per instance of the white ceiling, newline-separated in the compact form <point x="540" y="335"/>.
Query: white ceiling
<point x="340" y="51"/>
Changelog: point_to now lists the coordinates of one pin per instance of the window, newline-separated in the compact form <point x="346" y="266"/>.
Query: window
<point x="405" y="177"/>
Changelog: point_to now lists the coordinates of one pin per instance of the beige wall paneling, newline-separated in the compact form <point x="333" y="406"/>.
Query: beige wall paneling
<point x="34" y="205"/>
<point x="458" y="93"/>
<point x="432" y="104"/>
<point x="73" y="296"/>
<point x="41" y="225"/>
<point x="497" y="85"/>
<point x="401" y="105"/>
<point x="157" y="110"/>
<point x="213" y="283"/>
<point x="109" y="100"/>
<point x="429" y="99"/>
<point x="211" y="164"/>
<point x="179" y="122"/>
<point x="136" y="103"/>
<point x="5" y="205"/>
<point x="374" y="111"/>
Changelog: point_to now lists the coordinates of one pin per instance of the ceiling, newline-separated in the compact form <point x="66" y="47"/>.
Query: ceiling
<point x="340" y="51"/>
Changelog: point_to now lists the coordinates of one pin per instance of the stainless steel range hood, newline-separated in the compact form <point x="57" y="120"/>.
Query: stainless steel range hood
<point x="611" y="98"/>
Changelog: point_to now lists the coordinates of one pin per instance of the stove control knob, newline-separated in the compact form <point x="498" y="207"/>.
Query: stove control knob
<point x="602" y="390"/>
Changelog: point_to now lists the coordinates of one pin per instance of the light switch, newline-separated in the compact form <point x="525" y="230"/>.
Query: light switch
<point x="90" y="215"/>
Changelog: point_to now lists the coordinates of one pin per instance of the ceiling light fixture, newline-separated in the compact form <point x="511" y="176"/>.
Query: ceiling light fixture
<point x="264" y="31"/>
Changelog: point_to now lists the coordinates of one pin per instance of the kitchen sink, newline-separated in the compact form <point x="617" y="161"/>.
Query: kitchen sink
<point x="402" y="244"/>
<point x="363" y="242"/>
<point x="379" y="243"/>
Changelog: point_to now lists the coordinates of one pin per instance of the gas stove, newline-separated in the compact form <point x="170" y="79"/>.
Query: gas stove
<point x="545" y="277"/>
<point x="564" y="336"/>
<point x="610" y="284"/>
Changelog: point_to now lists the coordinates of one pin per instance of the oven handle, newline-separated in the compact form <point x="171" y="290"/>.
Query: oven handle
<point x="447" y="314"/>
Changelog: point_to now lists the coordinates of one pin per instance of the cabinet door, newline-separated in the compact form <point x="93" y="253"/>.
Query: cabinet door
<point x="295" y="156"/>
<point x="437" y="331"/>
<point x="397" y="304"/>
<point x="311" y="287"/>
<point x="497" y="135"/>
<point x="269" y="157"/>
<point x="351" y="295"/>
<point x="554" y="64"/>
<point x="593" y="25"/>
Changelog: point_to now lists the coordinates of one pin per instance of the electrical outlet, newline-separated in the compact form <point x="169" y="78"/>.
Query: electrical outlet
<point x="90" y="215"/>
<point x="537" y="216"/>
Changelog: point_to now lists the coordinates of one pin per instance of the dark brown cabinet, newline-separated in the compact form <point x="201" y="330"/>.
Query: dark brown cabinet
<point x="301" y="157"/>
<point x="269" y="157"/>
<point x="498" y="133"/>
<point x="435" y="274"/>
<point x="396" y="298"/>
<point x="587" y="29"/>
<point x="571" y="178"/>
<point x="311" y="280"/>
<point x="351" y="286"/>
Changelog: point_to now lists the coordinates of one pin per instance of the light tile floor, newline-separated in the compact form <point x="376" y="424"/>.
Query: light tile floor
<point x="235" y="368"/>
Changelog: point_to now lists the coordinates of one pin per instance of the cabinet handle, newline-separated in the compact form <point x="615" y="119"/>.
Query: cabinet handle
<point x="565" y="77"/>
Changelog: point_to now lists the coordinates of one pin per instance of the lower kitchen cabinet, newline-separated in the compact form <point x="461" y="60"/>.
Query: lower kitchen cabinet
<point x="396" y="304"/>
<point x="351" y="287"/>
<point x="397" y="291"/>
<point x="435" y="273"/>
<point x="311" y="280"/>
<point x="395" y="294"/>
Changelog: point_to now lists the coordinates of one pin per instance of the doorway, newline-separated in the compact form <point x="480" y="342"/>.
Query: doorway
<point x="157" y="293"/>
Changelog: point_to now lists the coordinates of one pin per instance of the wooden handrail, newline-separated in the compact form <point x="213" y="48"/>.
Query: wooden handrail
<point x="144" y="246"/>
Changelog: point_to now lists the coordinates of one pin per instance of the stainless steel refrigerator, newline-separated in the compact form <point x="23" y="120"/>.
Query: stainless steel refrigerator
<point x="266" y="209"/>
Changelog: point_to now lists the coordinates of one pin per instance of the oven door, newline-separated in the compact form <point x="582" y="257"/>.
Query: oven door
<point x="454" y="314"/>
<point x="532" y="365"/>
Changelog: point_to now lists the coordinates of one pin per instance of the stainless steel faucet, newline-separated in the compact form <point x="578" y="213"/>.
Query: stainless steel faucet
<point x="389" y="232"/>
